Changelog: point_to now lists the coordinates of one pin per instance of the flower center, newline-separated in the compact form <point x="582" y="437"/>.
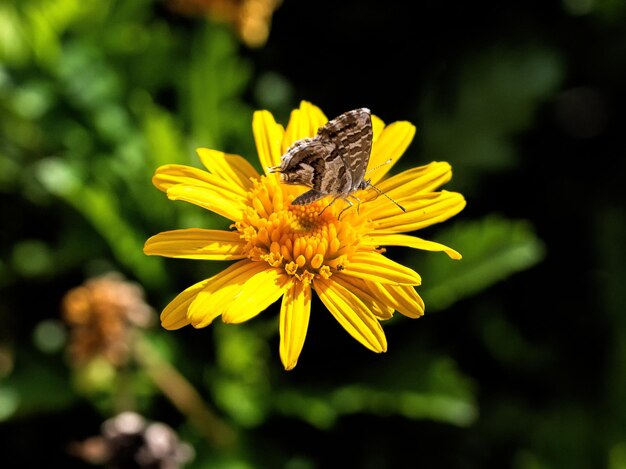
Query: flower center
<point x="304" y="240"/>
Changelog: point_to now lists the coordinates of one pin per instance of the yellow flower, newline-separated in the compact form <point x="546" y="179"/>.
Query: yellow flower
<point x="284" y="250"/>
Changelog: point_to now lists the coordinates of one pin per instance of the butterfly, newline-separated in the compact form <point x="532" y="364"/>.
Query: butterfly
<point x="334" y="162"/>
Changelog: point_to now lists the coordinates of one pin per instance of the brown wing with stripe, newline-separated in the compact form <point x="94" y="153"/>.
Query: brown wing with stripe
<point x="351" y="133"/>
<point x="305" y="162"/>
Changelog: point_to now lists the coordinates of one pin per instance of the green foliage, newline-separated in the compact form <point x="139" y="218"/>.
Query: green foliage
<point x="492" y="248"/>
<point x="239" y="384"/>
<point x="102" y="134"/>
<point x="22" y="394"/>
<point x="217" y="78"/>
<point x="494" y="97"/>
<point x="443" y="395"/>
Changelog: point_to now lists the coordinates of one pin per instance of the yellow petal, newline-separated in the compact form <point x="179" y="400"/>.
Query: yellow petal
<point x="294" y="321"/>
<point x="402" y="298"/>
<point x="421" y="211"/>
<point x="174" y="316"/>
<point x="375" y="267"/>
<point x="233" y="169"/>
<point x="268" y="136"/>
<point x="196" y="243"/>
<point x="409" y="302"/>
<point x="259" y="291"/>
<point x="170" y="175"/>
<point x="220" y="290"/>
<point x="377" y="126"/>
<point x="391" y="145"/>
<point x="361" y="289"/>
<point x="417" y="180"/>
<point x="352" y="314"/>
<point x="303" y="122"/>
<point x="208" y="199"/>
<point x="294" y="130"/>
<point x="314" y="116"/>
<point x="380" y="239"/>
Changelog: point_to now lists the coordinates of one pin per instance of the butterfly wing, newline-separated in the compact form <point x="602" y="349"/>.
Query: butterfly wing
<point x="305" y="162"/>
<point x="351" y="134"/>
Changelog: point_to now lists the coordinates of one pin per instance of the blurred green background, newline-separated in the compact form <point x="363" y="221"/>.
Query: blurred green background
<point x="520" y="361"/>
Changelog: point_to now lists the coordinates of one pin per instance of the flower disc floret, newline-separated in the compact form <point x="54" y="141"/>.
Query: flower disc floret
<point x="304" y="240"/>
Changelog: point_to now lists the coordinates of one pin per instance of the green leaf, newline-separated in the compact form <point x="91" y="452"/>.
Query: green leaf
<point x="495" y="96"/>
<point x="241" y="388"/>
<point x="433" y="389"/>
<point x="22" y="393"/>
<point x="217" y="79"/>
<point x="492" y="248"/>
<point x="162" y="131"/>
<point x="33" y="29"/>
<point x="101" y="208"/>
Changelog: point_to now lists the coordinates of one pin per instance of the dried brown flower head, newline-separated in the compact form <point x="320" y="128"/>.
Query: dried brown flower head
<point x="251" y="19"/>
<point x="101" y="314"/>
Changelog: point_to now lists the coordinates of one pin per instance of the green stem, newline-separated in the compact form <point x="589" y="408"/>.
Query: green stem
<point x="183" y="395"/>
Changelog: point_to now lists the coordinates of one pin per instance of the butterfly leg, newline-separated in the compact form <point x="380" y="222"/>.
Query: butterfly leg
<point x="331" y="202"/>
<point x="358" y="204"/>
<point x="350" y="205"/>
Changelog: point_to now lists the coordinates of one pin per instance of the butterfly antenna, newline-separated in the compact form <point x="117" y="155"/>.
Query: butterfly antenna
<point x="369" y="184"/>
<point x="379" y="166"/>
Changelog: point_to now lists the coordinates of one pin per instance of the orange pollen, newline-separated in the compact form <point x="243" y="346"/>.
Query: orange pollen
<point x="299" y="239"/>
